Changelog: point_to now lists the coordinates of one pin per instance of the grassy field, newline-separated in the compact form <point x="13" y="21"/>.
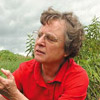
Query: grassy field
<point x="11" y="61"/>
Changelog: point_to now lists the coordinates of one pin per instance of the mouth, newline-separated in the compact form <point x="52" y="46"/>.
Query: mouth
<point x="39" y="52"/>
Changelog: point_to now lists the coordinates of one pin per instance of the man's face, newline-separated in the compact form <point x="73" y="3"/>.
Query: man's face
<point x="49" y="46"/>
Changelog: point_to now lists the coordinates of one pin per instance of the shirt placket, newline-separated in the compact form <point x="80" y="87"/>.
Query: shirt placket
<point x="51" y="90"/>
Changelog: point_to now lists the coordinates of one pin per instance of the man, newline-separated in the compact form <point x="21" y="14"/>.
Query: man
<point x="52" y="74"/>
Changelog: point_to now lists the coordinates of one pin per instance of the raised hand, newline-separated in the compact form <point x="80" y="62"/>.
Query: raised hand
<point x="8" y="87"/>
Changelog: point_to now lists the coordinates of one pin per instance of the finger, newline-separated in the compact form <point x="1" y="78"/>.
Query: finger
<point x="7" y="73"/>
<point x="2" y="80"/>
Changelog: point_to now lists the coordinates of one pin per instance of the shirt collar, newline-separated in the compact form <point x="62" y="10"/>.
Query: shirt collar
<point x="62" y="71"/>
<point x="59" y="76"/>
<point x="37" y="75"/>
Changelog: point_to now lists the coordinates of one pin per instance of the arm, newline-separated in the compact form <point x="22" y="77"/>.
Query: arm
<point x="8" y="87"/>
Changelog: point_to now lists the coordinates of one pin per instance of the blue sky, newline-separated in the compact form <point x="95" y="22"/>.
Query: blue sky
<point x="20" y="17"/>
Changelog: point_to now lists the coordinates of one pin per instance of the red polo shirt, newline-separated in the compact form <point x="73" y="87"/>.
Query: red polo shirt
<point x="70" y="83"/>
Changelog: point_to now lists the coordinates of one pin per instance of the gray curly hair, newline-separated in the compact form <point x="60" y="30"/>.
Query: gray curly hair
<point x="74" y="33"/>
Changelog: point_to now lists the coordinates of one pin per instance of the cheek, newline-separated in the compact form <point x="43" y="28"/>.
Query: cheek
<point x="57" y="49"/>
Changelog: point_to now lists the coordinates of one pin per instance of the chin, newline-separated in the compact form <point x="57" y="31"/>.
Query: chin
<point x="39" y="59"/>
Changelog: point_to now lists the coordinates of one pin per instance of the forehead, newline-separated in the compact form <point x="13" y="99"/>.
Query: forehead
<point x="53" y="26"/>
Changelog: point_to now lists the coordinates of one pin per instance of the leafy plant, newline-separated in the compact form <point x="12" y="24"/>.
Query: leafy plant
<point x="89" y="58"/>
<point x="30" y="44"/>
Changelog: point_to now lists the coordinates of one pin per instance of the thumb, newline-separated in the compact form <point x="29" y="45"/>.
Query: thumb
<point x="7" y="73"/>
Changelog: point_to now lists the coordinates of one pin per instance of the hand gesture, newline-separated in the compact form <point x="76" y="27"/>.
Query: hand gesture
<point x="7" y="85"/>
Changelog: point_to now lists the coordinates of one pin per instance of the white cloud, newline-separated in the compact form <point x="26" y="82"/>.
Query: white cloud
<point x="2" y="48"/>
<point x="19" y="17"/>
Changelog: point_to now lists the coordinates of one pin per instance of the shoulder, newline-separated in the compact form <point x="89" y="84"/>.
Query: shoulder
<point x="75" y="82"/>
<point x="28" y="63"/>
<point x="26" y="66"/>
<point x="76" y="74"/>
<point x="75" y="68"/>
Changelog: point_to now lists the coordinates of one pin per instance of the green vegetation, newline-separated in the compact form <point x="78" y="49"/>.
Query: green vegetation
<point x="11" y="61"/>
<point x="30" y="44"/>
<point x="89" y="58"/>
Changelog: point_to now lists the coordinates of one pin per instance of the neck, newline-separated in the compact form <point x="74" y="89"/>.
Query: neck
<point x="50" y="70"/>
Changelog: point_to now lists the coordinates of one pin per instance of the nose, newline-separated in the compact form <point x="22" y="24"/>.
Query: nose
<point x="41" y="40"/>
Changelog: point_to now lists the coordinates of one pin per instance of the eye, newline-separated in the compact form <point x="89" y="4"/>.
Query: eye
<point x="51" y="38"/>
